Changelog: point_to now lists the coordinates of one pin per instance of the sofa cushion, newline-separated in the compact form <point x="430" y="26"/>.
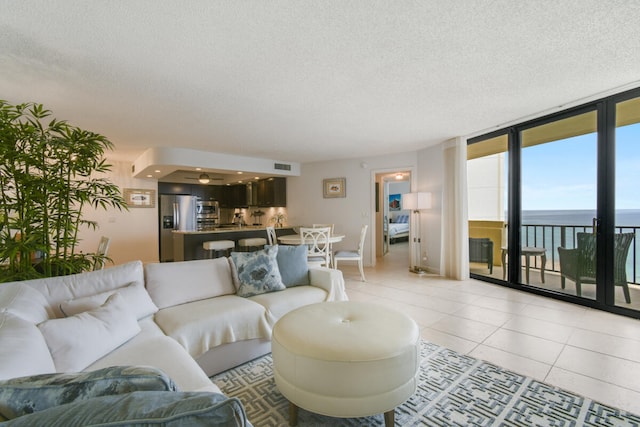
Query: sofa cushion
<point x="135" y="296"/>
<point x="24" y="301"/>
<point x="257" y="272"/>
<point x="278" y="304"/>
<point x="79" y="340"/>
<point x="205" y="324"/>
<point x="64" y="288"/>
<point x="173" y="283"/>
<point x="23" y="350"/>
<point x="25" y="395"/>
<point x="171" y="409"/>
<point x="293" y="266"/>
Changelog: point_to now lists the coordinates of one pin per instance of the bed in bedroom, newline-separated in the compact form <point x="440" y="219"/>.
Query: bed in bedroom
<point x="398" y="229"/>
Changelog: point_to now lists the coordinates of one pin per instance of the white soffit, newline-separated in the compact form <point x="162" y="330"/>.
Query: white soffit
<point x="159" y="162"/>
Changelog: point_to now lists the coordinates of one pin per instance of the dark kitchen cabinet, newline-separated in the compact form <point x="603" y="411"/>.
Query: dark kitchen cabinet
<point x="272" y="192"/>
<point x="239" y="196"/>
<point x="204" y="192"/>
<point x="174" y="188"/>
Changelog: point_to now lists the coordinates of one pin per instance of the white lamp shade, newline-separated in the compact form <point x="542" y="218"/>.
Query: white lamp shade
<point x="416" y="201"/>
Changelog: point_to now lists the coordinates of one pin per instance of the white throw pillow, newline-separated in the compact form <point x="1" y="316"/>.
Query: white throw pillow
<point x="77" y="341"/>
<point x="135" y="297"/>
<point x="23" y="351"/>
<point x="24" y="301"/>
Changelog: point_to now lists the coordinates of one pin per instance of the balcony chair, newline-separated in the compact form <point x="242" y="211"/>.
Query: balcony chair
<point x="579" y="264"/>
<point x="317" y="241"/>
<point x="353" y="255"/>
<point x="481" y="250"/>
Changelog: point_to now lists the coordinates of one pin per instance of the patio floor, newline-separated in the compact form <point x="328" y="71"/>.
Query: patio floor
<point x="552" y="282"/>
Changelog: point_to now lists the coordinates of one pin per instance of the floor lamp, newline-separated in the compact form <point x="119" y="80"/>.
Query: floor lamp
<point x="416" y="202"/>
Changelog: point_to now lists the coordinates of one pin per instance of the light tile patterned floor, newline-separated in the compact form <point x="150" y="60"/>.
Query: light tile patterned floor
<point x="590" y="352"/>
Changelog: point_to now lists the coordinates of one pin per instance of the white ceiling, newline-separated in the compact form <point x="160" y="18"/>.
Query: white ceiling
<point x="309" y="80"/>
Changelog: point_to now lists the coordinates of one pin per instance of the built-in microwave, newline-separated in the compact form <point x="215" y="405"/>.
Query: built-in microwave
<point x="207" y="207"/>
<point x="207" y="215"/>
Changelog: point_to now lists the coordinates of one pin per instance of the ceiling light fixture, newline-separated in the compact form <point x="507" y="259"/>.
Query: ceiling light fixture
<point x="203" y="178"/>
<point x="399" y="176"/>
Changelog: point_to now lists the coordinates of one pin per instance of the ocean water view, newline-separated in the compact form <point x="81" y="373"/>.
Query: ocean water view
<point x="582" y="217"/>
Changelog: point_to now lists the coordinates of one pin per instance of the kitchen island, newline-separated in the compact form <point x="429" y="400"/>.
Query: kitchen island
<point x="187" y="245"/>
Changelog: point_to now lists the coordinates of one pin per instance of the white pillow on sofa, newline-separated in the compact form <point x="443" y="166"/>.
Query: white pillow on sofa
<point x="25" y="302"/>
<point x="134" y="295"/>
<point x="23" y="350"/>
<point x="77" y="341"/>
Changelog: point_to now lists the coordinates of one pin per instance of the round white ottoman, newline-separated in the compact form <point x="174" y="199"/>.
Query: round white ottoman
<point x="346" y="359"/>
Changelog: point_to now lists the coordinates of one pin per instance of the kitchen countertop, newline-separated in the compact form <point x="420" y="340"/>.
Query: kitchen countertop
<point x="226" y="229"/>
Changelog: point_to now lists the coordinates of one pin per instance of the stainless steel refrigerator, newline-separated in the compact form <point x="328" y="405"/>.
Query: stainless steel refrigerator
<point x="176" y="213"/>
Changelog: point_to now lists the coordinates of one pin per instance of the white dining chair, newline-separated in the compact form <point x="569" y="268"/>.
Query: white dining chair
<point x="353" y="255"/>
<point x="331" y="226"/>
<point x="101" y="253"/>
<point x="271" y="235"/>
<point x="317" y="241"/>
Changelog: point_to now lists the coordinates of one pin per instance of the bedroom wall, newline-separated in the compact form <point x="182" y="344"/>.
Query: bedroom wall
<point x="398" y="188"/>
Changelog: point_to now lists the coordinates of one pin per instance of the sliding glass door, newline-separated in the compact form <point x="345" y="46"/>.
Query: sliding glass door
<point x="559" y="176"/>
<point x="487" y="173"/>
<point x="564" y="189"/>
<point x="626" y="273"/>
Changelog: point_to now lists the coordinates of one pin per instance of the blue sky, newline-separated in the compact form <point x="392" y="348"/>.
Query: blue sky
<point x="562" y="174"/>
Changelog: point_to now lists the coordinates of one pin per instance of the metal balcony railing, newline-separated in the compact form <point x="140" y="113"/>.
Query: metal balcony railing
<point x="551" y="236"/>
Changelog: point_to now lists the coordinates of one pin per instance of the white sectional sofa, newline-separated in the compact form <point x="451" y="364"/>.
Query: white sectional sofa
<point x="184" y="318"/>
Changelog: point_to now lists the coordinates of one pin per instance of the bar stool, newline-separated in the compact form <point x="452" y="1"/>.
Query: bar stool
<point x="253" y="242"/>
<point x="219" y="245"/>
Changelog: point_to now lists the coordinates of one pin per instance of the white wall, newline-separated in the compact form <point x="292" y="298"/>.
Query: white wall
<point x="486" y="188"/>
<point x="133" y="233"/>
<point x="306" y="205"/>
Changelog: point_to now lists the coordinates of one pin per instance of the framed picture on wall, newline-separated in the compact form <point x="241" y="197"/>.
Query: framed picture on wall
<point x="334" y="187"/>
<point x="139" y="197"/>
<point x="394" y="202"/>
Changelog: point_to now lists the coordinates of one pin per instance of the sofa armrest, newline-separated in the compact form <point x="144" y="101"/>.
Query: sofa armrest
<point x="329" y="279"/>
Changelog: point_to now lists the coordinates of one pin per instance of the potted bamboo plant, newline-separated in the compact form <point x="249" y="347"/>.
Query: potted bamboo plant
<point x="49" y="172"/>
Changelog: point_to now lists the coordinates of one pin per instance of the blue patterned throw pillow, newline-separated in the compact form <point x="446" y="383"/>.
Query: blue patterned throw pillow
<point x="149" y="408"/>
<point x="25" y="395"/>
<point x="257" y="272"/>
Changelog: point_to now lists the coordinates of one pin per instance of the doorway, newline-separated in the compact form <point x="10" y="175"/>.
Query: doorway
<point x="392" y="222"/>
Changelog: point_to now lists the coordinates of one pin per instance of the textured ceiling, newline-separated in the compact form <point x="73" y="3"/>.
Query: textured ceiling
<point x="309" y="80"/>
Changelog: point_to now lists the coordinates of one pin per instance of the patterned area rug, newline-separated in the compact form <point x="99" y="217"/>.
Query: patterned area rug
<point x="454" y="390"/>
